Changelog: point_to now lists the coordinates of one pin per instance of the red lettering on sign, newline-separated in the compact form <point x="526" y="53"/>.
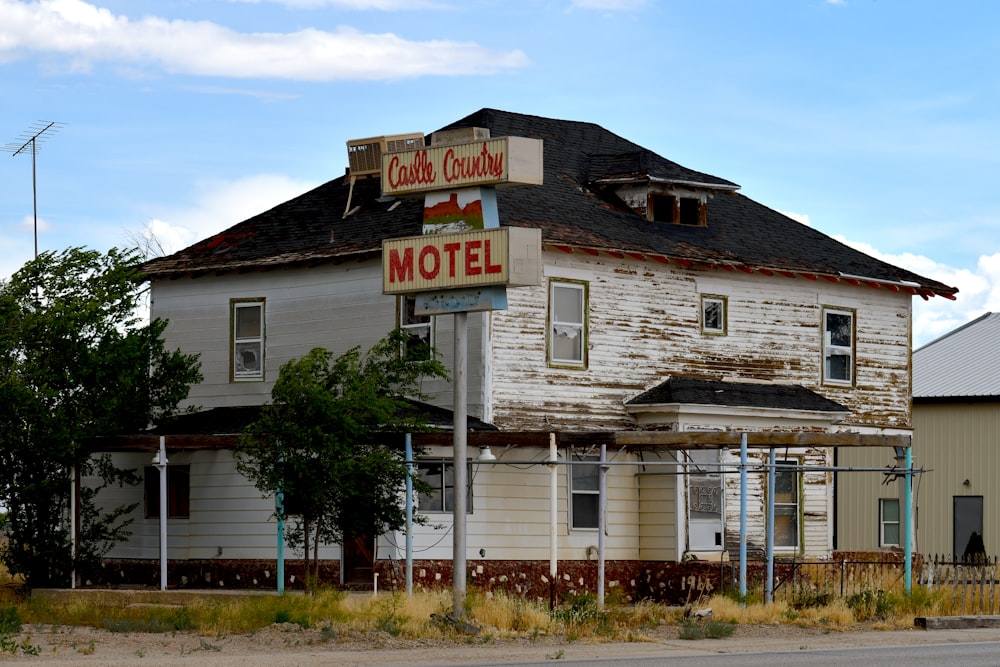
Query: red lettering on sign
<point x="490" y="267"/>
<point x="418" y="171"/>
<point x="435" y="268"/>
<point x="463" y="168"/>
<point x="472" y="267"/>
<point x="400" y="268"/>
<point x="452" y="249"/>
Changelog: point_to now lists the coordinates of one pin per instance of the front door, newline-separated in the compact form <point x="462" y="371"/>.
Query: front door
<point x="358" y="556"/>
<point x="967" y="518"/>
<point x="705" y="501"/>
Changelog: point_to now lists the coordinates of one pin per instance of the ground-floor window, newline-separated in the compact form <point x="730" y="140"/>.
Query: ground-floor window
<point x="786" y="504"/>
<point x="178" y="492"/>
<point x="888" y="521"/>
<point x="584" y="477"/>
<point x="440" y="476"/>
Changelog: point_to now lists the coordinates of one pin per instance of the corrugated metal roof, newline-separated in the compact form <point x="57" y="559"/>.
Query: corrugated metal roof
<point x="963" y="362"/>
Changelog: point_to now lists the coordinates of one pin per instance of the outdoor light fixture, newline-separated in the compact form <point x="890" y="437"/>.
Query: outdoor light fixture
<point x="485" y="454"/>
<point x="157" y="461"/>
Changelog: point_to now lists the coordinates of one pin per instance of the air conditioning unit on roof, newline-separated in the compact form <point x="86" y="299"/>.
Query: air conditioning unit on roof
<point x="365" y="155"/>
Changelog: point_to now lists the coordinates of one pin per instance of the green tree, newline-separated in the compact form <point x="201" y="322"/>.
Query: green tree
<point x="76" y="363"/>
<point x="322" y="442"/>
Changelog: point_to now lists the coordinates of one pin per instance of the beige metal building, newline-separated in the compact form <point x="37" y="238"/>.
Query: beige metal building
<point x="956" y="431"/>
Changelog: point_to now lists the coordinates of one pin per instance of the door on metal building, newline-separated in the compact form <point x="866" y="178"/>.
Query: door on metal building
<point x="967" y="518"/>
<point x="705" y="501"/>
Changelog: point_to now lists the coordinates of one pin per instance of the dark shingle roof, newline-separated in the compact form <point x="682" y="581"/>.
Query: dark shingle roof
<point x="694" y="391"/>
<point x="233" y="420"/>
<point x="570" y="208"/>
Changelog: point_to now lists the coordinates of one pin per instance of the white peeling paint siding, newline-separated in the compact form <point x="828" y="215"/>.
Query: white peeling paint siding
<point x="644" y="327"/>
<point x="815" y="504"/>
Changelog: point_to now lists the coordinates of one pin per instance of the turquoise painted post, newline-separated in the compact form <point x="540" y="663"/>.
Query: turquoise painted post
<point x="279" y="503"/>
<point x="908" y="515"/>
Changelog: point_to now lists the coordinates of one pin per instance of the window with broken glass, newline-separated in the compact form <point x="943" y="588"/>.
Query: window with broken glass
<point x="568" y="323"/>
<point x="419" y="329"/>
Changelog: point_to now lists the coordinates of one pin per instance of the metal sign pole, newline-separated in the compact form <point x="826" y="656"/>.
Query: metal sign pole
<point x="461" y="476"/>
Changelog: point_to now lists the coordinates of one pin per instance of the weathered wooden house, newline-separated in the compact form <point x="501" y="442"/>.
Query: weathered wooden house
<point x="956" y="425"/>
<point x="674" y="314"/>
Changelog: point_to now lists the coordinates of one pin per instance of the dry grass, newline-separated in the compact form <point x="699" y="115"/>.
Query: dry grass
<point x="497" y="614"/>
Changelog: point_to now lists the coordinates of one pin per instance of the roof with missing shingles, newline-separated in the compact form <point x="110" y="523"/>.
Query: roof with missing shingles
<point x="574" y="208"/>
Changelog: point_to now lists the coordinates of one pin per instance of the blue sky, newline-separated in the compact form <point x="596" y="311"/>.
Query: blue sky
<point x="874" y="121"/>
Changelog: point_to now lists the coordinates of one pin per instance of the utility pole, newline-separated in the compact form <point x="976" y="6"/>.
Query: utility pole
<point x="29" y="140"/>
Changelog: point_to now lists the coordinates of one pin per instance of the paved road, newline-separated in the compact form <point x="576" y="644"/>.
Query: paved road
<point x="981" y="654"/>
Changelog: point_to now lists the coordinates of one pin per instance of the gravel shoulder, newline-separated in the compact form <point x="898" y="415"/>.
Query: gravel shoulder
<point x="287" y="645"/>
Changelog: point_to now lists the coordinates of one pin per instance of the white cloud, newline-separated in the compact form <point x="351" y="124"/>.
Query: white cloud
<point x="797" y="217"/>
<point x="28" y="223"/>
<point x="85" y="34"/>
<point x="362" y="5"/>
<point x="219" y="205"/>
<point x="610" y="5"/>
<point x="979" y="291"/>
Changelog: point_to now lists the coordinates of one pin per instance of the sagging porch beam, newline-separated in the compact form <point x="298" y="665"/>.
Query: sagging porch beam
<point x="632" y="440"/>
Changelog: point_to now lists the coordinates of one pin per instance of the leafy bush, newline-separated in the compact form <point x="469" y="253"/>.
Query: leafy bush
<point x="872" y="604"/>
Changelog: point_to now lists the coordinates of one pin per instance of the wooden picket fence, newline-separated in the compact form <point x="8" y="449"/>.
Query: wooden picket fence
<point x="967" y="587"/>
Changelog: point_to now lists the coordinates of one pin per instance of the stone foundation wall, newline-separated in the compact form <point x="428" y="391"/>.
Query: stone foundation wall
<point x="627" y="581"/>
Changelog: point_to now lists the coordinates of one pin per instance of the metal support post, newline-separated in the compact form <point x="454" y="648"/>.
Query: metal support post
<point x="461" y="476"/>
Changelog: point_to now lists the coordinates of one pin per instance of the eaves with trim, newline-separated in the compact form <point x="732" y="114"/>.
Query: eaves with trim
<point x="576" y="209"/>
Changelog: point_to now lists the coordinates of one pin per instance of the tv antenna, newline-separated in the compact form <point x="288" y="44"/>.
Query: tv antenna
<point x="31" y="139"/>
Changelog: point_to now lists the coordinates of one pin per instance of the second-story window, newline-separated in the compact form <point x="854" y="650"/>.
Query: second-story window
<point x="838" y="346"/>
<point x="247" y="329"/>
<point x="419" y="328"/>
<point x="713" y="314"/>
<point x="568" y="323"/>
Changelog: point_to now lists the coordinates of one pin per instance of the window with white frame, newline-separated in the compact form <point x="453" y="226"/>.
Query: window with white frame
<point x="786" y="504"/>
<point x="713" y="314"/>
<point x="247" y="328"/>
<point x="584" y="477"/>
<point x="440" y="476"/>
<point x="419" y="328"/>
<point x="888" y="511"/>
<point x="838" y="346"/>
<point x="568" y="323"/>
